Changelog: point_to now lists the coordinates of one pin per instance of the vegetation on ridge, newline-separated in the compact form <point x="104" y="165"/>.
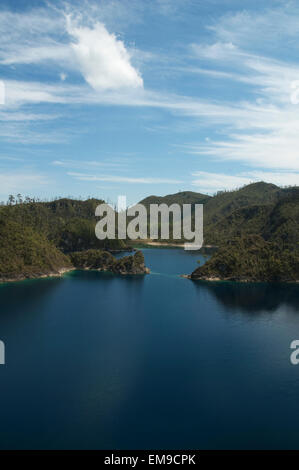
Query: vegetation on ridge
<point x="25" y="253"/>
<point x="251" y="258"/>
<point x="256" y="229"/>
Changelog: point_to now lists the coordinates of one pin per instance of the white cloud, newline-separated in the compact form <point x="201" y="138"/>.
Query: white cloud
<point x="18" y="181"/>
<point x="278" y="149"/>
<point x="88" y="164"/>
<point x="208" y="182"/>
<point x="263" y="130"/>
<point x="103" y="58"/>
<point x="218" y="51"/>
<point x="123" y="179"/>
<point x="83" y="45"/>
<point x="257" y="131"/>
<point x="278" y="23"/>
<point x="212" y="182"/>
<point x="33" y="55"/>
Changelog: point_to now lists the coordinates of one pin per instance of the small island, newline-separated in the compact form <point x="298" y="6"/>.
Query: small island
<point x="103" y="261"/>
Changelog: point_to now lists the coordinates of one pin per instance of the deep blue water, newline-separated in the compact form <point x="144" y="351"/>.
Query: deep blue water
<point x="100" y="361"/>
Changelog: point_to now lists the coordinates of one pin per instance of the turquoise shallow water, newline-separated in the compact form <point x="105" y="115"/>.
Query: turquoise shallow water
<point x="100" y="361"/>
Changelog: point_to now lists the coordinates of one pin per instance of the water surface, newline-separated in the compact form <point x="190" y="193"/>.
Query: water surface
<point x="96" y="360"/>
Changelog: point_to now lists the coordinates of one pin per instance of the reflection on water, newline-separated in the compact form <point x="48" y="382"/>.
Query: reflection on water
<point x="252" y="298"/>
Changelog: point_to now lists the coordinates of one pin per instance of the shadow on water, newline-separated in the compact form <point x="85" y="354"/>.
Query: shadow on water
<point x="30" y="291"/>
<point x="252" y="298"/>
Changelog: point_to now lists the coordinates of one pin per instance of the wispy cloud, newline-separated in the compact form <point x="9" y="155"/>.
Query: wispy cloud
<point x="20" y="181"/>
<point x="278" y="22"/>
<point x="92" y="64"/>
<point x="210" y="183"/>
<point x="123" y="179"/>
<point x="263" y="129"/>
<point x="89" y="164"/>
<point x="71" y="41"/>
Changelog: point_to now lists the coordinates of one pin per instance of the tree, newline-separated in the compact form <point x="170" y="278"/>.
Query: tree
<point x="11" y="200"/>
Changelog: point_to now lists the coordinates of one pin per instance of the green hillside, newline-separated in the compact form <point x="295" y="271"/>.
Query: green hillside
<point x="184" y="197"/>
<point x="228" y="211"/>
<point x="282" y="223"/>
<point x="25" y="253"/>
<point x="68" y="223"/>
<point x="251" y="258"/>
<point x="46" y="238"/>
<point x="256" y="229"/>
<point x="257" y="242"/>
<point x="276" y="220"/>
<point x="225" y="203"/>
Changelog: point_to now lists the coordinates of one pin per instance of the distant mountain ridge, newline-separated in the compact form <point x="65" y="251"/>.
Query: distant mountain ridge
<point x="184" y="197"/>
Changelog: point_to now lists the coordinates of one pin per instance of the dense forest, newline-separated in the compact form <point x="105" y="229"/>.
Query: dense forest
<point x="40" y="238"/>
<point x="255" y="230"/>
<point x="251" y="258"/>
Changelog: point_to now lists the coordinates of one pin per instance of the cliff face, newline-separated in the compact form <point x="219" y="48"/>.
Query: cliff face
<point x="104" y="261"/>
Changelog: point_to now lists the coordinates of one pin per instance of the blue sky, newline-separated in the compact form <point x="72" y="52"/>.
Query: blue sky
<point x="101" y="98"/>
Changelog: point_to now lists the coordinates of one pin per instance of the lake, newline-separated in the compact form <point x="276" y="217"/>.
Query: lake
<point x="99" y="361"/>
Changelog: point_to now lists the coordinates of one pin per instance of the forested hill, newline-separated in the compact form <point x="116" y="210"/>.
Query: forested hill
<point x="184" y="197"/>
<point x="259" y="219"/>
<point x="25" y="253"/>
<point x="251" y="258"/>
<point x="255" y="228"/>
<point x="256" y="242"/>
<point x="37" y="237"/>
<point x="68" y="223"/>
<point x="266" y="217"/>
<point x="258" y="208"/>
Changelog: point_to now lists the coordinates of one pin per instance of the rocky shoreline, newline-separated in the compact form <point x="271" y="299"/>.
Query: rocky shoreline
<point x="90" y="260"/>
<point x="235" y="279"/>
<point x="26" y="277"/>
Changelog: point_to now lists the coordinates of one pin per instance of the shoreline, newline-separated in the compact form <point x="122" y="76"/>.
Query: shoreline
<point x="150" y="243"/>
<point x="63" y="271"/>
<point x="21" y="278"/>
<point x="173" y="245"/>
<point x="234" y="280"/>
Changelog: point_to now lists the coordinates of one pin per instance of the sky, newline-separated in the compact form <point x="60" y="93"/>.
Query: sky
<point x="105" y="98"/>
